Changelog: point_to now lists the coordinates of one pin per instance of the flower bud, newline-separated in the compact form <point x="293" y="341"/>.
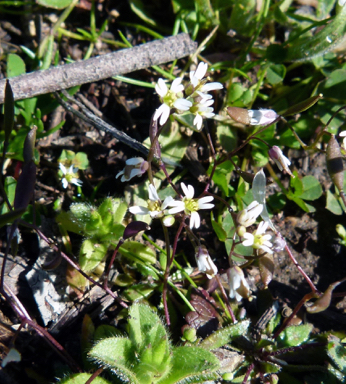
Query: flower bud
<point x="136" y="166"/>
<point x="262" y="116"/>
<point x="204" y="262"/>
<point x="281" y="161"/>
<point x="248" y="216"/>
<point x="238" y="286"/>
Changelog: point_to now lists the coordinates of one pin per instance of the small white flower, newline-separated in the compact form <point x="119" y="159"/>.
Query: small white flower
<point x="155" y="207"/>
<point x="204" y="262"/>
<point x="135" y="166"/>
<point x="248" y="216"/>
<point x="258" y="239"/>
<point x="238" y="286"/>
<point x="190" y="205"/>
<point x="171" y="98"/>
<point x="69" y="176"/>
<point x="201" y="108"/>
<point x="280" y="159"/>
<point x="261" y="116"/>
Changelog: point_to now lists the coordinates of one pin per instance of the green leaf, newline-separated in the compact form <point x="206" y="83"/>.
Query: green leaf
<point x="323" y="41"/>
<point x="191" y="364"/>
<point x="312" y="188"/>
<point x="337" y="352"/>
<point x="91" y="254"/>
<point x="137" y="7"/>
<point x="139" y="291"/>
<point x="334" y="205"/>
<point x="295" y="335"/>
<point x="56" y="4"/>
<point x="82" y="378"/>
<point x="10" y="190"/>
<point x="297" y="184"/>
<point x="81" y="160"/>
<point x="138" y="252"/>
<point x="116" y="353"/>
<point x="225" y="335"/>
<point x="105" y="331"/>
<point x="302" y="106"/>
<point x="15" y="65"/>
<point x="227" y="137"/>
<point x="220" y="232"/>
<point x="276" y="73"/>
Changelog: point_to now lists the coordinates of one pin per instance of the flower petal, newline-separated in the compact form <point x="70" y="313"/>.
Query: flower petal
<point x="138" y="210"/>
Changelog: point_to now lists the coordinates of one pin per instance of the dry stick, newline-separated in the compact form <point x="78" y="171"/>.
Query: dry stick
<point x="100" y="67"/>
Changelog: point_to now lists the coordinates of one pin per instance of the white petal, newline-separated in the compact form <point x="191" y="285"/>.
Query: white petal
<point x="177" y="206"/>
<point x="137" y="210"/>
<point x="177" y="86"/>
<point x="135" y="172"/>
<point x="76" y="181"/>
<point x="198" y="121"/>
<point x="64" y="183"/>
<point x="153" y="196"/>
<point x="195" y="220"/>
<point x="63" y="168"/>
<point x="165" y="114"/>
<point x="182" y="104"/>
<point x="211" y="87"/>
<point x="343" y="133"/>
<point x="189" y="191"/>
<point x="201" y="70"/>
<point x="166" y="202"/>
<point x="134" y="161"/>
<point x="161" y="88"/>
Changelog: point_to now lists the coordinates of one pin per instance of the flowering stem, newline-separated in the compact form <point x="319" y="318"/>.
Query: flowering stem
<point x="224" y="295"/>
<point x="300" y="269"/>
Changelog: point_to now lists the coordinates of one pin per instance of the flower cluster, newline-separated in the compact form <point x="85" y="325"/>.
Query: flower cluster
<point x="190" y="205"/>
<point x="193" y="97"/>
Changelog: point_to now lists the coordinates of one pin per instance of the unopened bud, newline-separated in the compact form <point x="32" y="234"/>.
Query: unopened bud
<point x="281" y="161"/>
<point x="204" y="262"/>
<point x="335" y="164"/>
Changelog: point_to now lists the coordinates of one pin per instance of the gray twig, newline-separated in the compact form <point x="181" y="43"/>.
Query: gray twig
<point x="92" y="119"/>
<point x="101" y="67"/>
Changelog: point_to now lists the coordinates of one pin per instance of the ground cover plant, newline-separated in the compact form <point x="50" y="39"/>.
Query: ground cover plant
<point x="183" y="223"/>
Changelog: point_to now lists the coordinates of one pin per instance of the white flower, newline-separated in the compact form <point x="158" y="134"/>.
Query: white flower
<point x="155" y="207"/>
<point x="342" y="2"/>
<point x="261" y="116"/>
<point x="258" y="239"/>
<point x="280" y="159"/>
<point x="171" y="98"/>
<point x="201" y="108"/>
<point x="199" y="82"/>
<point x="238" y="286"/>
<point x="135" y="166"/>
<point x="204" y="262"/>
<point x="248" y="216"/>
<point x="69" y="176"/>
<point x="190" y="205"/>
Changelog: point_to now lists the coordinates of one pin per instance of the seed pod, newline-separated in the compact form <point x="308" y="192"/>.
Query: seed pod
<point x="323" y="302"/>
<point x="241" y="115"/>
<point x="335" y="165"/>
<point x="25" y="186"/>
<point x="29" y="145"/>
<point x="153" y="129"/>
